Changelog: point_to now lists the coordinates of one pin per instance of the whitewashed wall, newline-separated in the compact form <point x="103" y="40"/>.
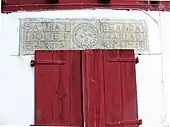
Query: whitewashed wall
<point x="17" y="77"/>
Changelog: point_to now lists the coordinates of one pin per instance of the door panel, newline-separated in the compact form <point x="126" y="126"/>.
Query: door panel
<point x="113" y="88"/>
<point x="129" y="92"/>
<point x="120" y="88"/>
<point x="93" y="88"/>
<point x="76" y="89"/>
<point x="101" y="84"/>
<point x="44" y="92"/>
<point x="61" y="97"/>
<point x="56" y="100"/>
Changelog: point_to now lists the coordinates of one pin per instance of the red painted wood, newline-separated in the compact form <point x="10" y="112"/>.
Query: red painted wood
<point x="113" y="93"/>
<point x="31" y="5"/>
<point x="43" y="91"/>
<point x="56" y="100"/>
<point x="76" y="89"/>
<point x="94" y="112"/>
<point x="107" y="81"/>
<point x="129" y="90"/>
<point x="120" y="88"/>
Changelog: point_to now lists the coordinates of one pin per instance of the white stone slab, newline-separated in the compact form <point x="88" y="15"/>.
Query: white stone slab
<point x="80" y="34"/>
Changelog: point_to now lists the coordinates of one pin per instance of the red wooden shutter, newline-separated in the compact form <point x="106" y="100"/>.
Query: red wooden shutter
<point x="93" y="88"/>
<point x="58" y="88"/>
<point x="109" y="82"/>
<point x="113" y="93"/>
<point x="120" y="88"/>
<point x="109" y="87"/>
<point x="129" y="89"/>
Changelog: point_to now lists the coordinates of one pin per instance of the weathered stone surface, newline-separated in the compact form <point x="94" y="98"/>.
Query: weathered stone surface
<point x="50" y="34"/>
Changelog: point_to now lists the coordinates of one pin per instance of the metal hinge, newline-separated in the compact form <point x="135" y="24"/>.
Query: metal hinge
<point x="128" y="122"/>
<point x="136" y="60"/>
<point x="58" y="62"/>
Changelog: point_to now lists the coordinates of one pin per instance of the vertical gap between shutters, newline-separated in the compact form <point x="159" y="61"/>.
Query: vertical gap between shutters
<point x="82" y="91"/>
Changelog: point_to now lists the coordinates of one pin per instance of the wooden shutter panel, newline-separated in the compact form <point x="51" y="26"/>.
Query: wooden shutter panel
<point x="92" y="63"/>
<point x="129" y="87"/>
<point x="120" y="88"/>
<point x="109" y="82"/>
<point x="58" y="88"/>
<point x="113" y="93"/>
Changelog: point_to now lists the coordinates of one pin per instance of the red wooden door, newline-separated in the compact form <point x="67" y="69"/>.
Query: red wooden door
<point x="105" y="77"/>
<point x="109" y="84"/>
<point x="58" y="88"/>
<point x="93" y="86"/>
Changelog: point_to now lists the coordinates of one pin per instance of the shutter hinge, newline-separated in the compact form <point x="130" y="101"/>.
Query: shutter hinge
<point x="128" y="122"/>
<point x="58" y="62"/>
<point x="136" y="60"/>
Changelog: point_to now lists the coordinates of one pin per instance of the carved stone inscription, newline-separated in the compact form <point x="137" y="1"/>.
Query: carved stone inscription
<point x="125" y="35"/>
<point x="50" y="34"/>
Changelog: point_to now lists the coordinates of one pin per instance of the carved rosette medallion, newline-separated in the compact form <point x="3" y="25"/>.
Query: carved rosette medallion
<point x="85" y="35"/>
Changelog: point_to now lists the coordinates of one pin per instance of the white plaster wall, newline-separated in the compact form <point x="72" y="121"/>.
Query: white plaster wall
<point x="17" y="77"/>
